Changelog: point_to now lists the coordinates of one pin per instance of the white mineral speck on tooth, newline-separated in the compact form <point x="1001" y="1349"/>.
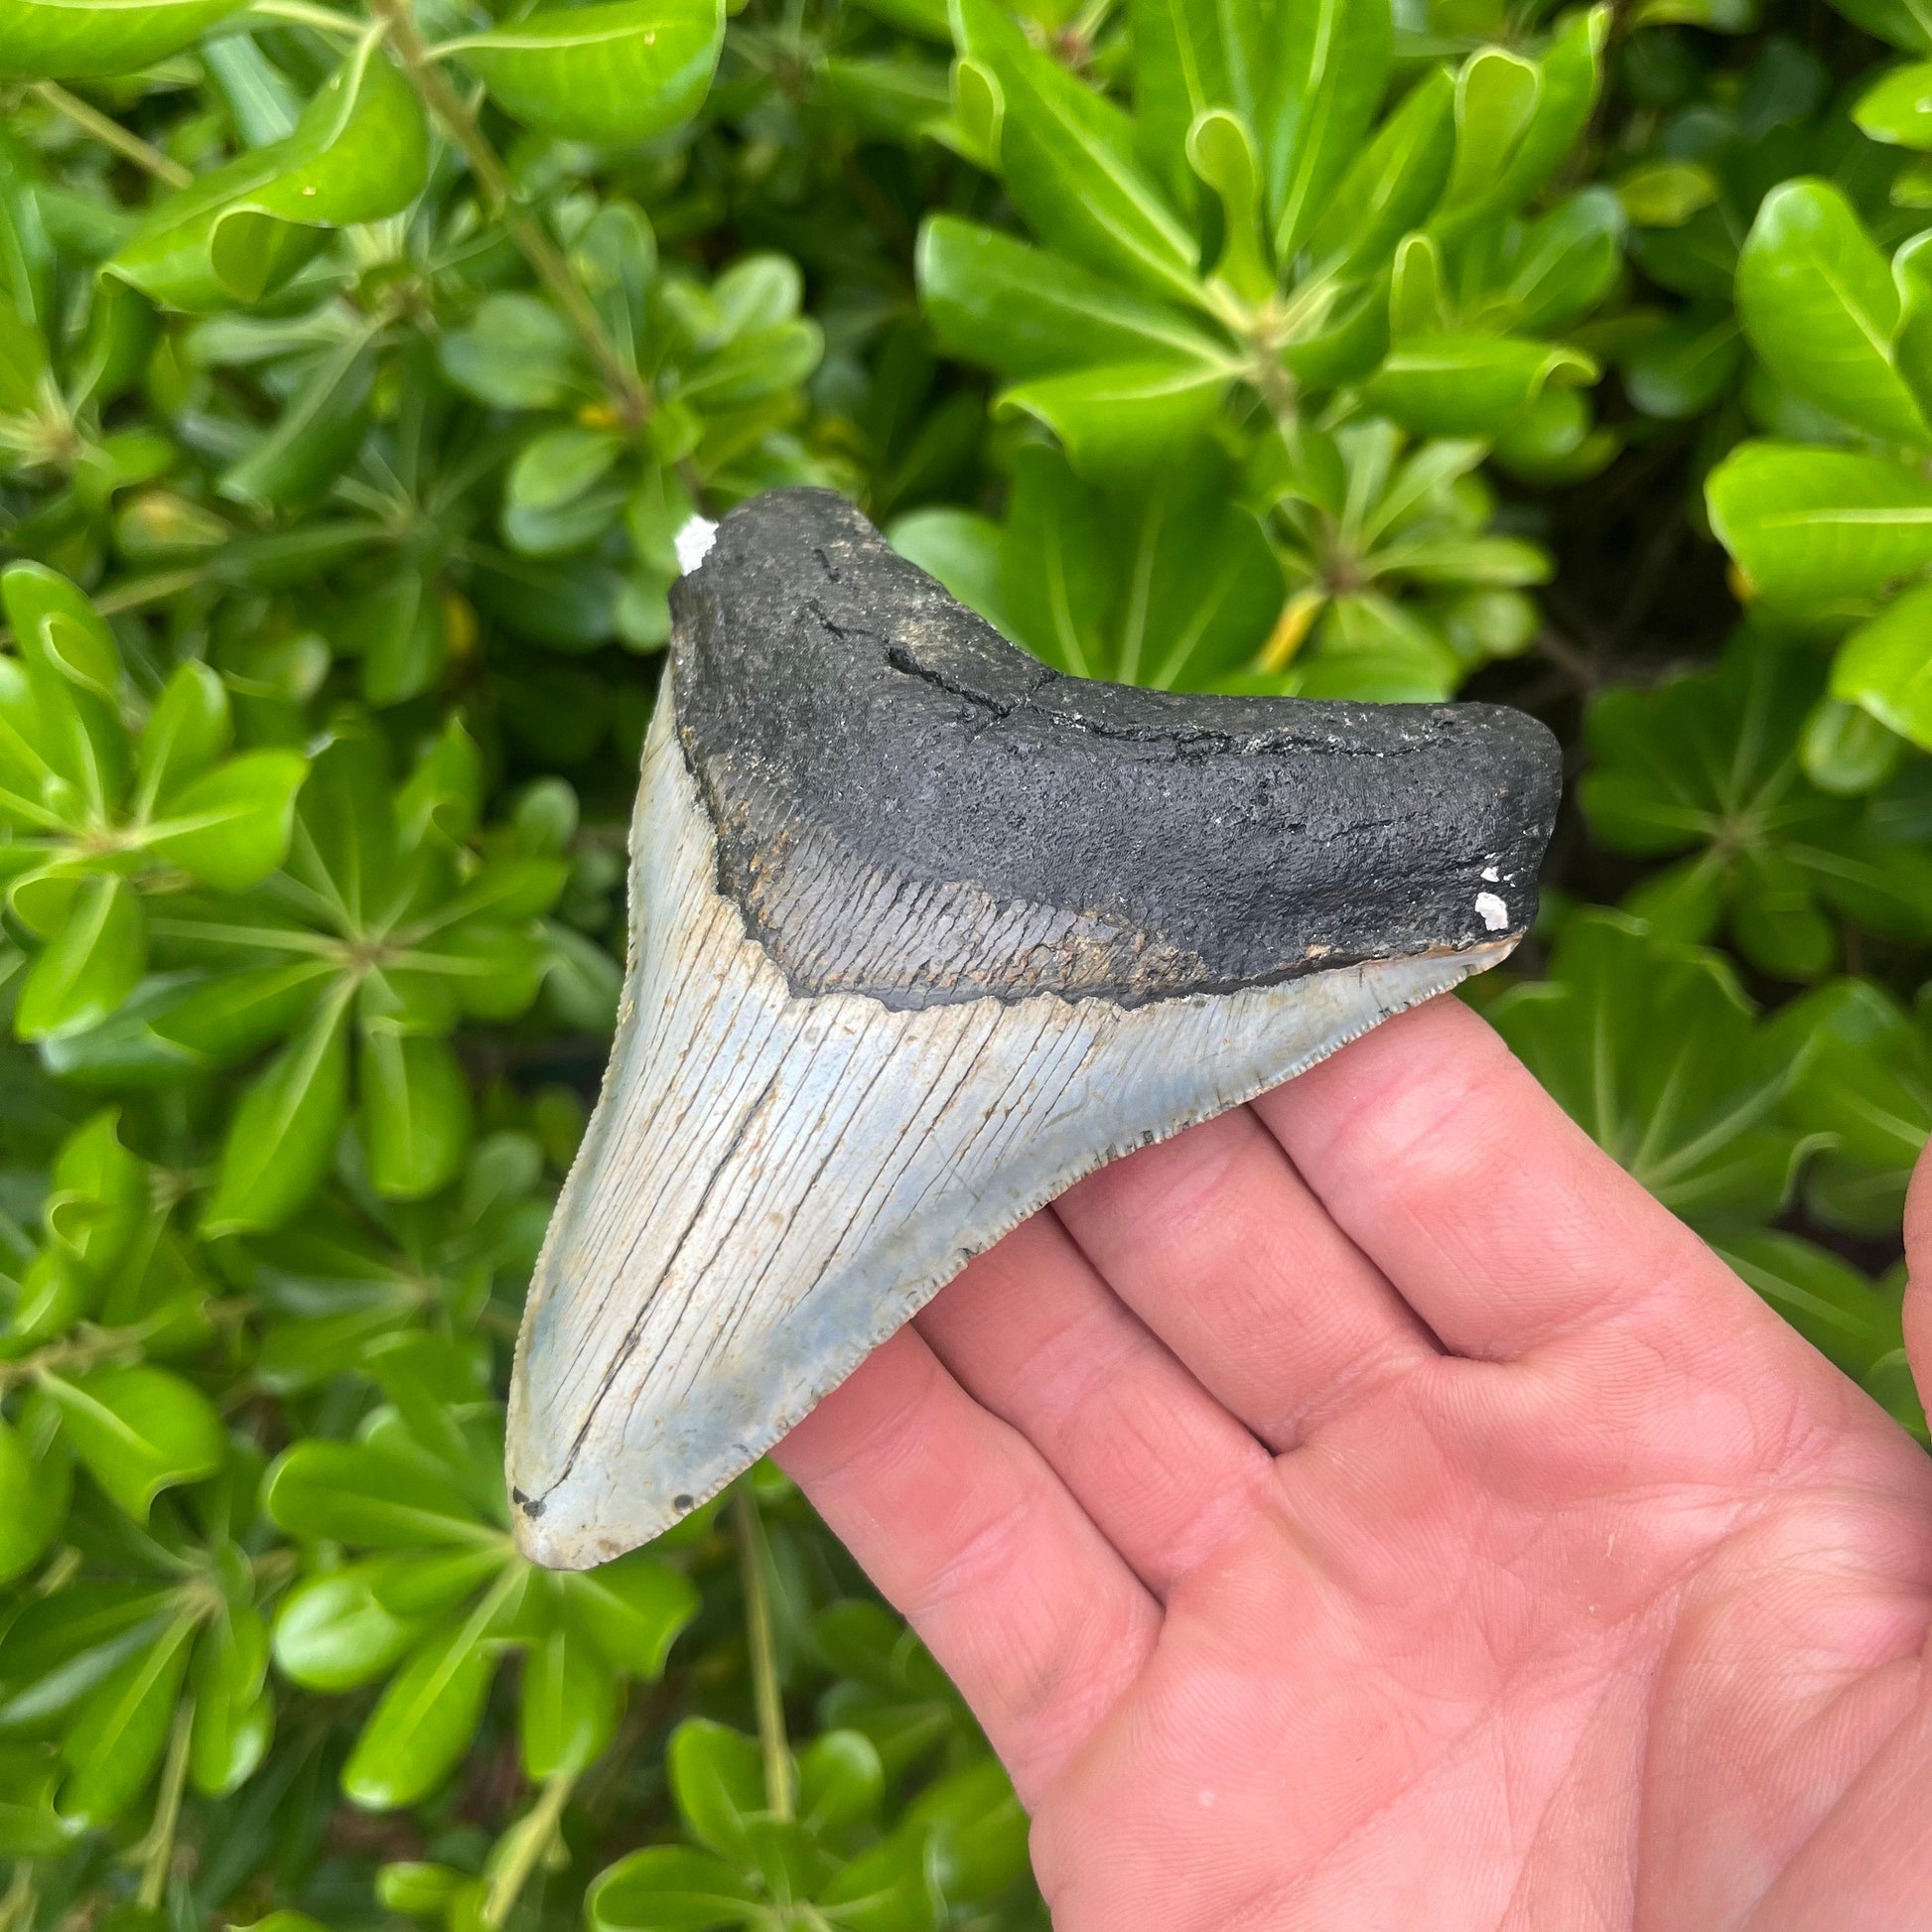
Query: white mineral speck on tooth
<point x="1496" y="914"/>
<point x="693" y="542"/>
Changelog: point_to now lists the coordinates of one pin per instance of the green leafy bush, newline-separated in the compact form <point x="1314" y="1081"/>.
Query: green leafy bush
<point x="357" y="370"/>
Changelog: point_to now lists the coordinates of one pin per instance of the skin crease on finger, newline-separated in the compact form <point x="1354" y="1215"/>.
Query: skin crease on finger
<point x="1614" y="1618"/>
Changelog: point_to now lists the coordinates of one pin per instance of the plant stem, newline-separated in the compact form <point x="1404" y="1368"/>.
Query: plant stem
<point x="130" y="146"/>
<point x="88" y="1349"/>
<point x="533" y="1838"/>
<point x="628" y="390"/>
<point x="765" y="1654"/>
<point x="157" y="1849"/>
<point x="16" y="1907"/>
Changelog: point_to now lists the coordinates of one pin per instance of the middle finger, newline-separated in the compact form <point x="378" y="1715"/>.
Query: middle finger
<point x="1034" y="1334"/>
<point x="1222" y="1249"/>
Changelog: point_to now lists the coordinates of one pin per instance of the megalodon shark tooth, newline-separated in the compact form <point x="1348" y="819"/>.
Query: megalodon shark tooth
<point x="921" y="931"/>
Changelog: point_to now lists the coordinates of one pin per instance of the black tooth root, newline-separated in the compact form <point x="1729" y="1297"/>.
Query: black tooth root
<point x="910" y="808"/>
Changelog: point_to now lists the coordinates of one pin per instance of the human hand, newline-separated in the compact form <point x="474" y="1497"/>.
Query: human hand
<point x="1371" y="1509"/>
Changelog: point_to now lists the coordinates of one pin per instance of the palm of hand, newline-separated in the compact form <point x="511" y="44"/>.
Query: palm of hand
<point x="1371" y="1510"/>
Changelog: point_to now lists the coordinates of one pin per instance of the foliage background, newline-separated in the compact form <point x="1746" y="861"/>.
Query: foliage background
<point x="357" y="371"/>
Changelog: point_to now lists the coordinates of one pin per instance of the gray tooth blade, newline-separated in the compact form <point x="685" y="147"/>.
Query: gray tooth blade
<point x="869" y="1023"/>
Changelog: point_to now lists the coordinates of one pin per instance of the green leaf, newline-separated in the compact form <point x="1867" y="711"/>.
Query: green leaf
<point x="442" y="794"/>
<point x="346" y="848"/>
<point x="360" y="151"/>
<point x="517" y="352"/>
<point x="569" y="1712"/>
<point x="1190" y="594"/>
<point x="90" y="966"/>
<point x="282" y="1136"/>
<point x="1844" y="1316"/>
<point x="618" y="72"/>
<point x="435" y="1383"/>
<point x="423" y="1723"/>
<point x="1418" y="299"/>
<point x="1512" y="129"/>
<point x="1902" y="22"/>
<point x="1181" y="70"/>
<point x="230" y="827"/>
<point x="1864" y="1079"/>
<point x="976" y="1831"/>
<point x="1846" y="752"/>
<point x="754" y="364"/>
<point x="1891" y="1383"/>
<point x="23" y="361"/>
<point x="230" y="1015"/>
<point x="59" y="1647"/>
<point x="54" y="38"/>
<point x="35" y="1482"/>
<point x="1818" y="301"/>
<point x="669" y="1888"/>
<point x="962" y="550"/>
<point x="1070" y="166"/>
<point x="117" y="1738"/>
<point x="1715" y="763"/>
<point x="30" y="1827"/>
<point x="1025" y="313"/>
<point x="416" y="1889"/>
<point x="1819" y="529"/>
<point x="1497" y="94"/>
<point x="1885" y="666"/>
<point x="1058" y="565"/>
<point x="1469" y="385"/>
<point x="559" y="466"/>
<point x="435" y="1581"/>
<point x="1325" y="82"/>
<point x="979" y="113"/>
<point x="334" y="1633"/>
<point x="1565" y="263"/>
<point x="1126" y="419"/>
<point x="414" y="1111"/>
<point x="1897" y="107"/>
<point x="1221" y="151"/>
<point x="632" y="1611"/>
<point x="356" y="1493"/>
<point x="1653" y="1050"/>
<point x="1681" y="368"/>
<point x="397" y="630"/>
<point x="138" y="1431"/>
<point x="1394" y="183"/>
<point x="98" y="1197"/>
<point x="187" y="731"/>
<point x="841" y="1781"/>
<point x="232" y="1713"/>
<point x="718" y="1782"/>
<point x="315" y="438"/>
<point x="1371" y="648"/>
<point x="1666" y="194"/>
<point x="59" y="632"/>
<point x="888" y="1886"/>
<point x="54" y="1293"/>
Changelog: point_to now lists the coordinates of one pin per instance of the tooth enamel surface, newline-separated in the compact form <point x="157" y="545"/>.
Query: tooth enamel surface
<point x="771" y="1184"/>
<point x="921" y="933"/>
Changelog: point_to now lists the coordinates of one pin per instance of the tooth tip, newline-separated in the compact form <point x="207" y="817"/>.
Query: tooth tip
<point x="555" y="1542"/>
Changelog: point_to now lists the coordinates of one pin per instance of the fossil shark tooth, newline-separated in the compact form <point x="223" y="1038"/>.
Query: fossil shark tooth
<point x="922" y="932"/>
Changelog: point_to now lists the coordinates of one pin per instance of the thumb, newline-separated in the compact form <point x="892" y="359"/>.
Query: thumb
<point x="1918" y="1273"/>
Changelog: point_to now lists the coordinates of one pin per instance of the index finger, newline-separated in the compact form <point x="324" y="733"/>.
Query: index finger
<point x="1500" y="1221"/>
